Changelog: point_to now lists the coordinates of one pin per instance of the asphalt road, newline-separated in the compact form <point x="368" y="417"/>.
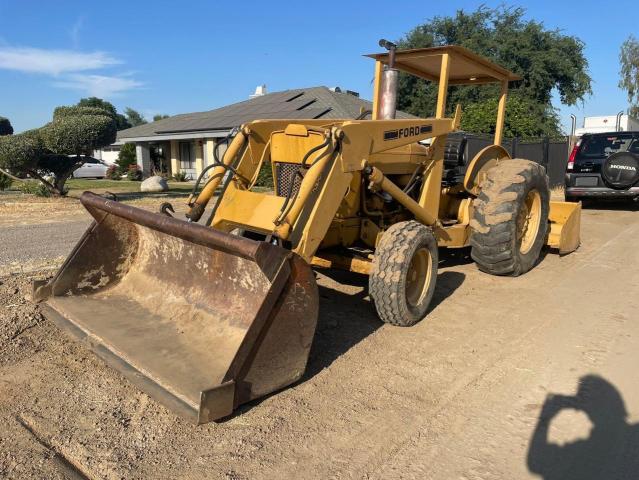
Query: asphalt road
<point x="24" y="246"/>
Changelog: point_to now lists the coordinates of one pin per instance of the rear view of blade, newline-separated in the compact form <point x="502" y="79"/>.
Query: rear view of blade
<point x="201" y="320"/>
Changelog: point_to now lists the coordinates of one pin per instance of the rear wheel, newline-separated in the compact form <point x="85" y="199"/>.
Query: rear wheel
<point x="510" y="218"/>
<point x="402" y="281"/>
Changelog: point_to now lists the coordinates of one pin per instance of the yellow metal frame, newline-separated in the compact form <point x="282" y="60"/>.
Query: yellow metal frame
<point x="330" y="205"/>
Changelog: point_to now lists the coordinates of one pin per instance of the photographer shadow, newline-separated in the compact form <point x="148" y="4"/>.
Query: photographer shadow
<point x="610" y="452"/>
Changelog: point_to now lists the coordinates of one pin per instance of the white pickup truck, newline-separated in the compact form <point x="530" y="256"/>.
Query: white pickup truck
<point x="608" y="123"/>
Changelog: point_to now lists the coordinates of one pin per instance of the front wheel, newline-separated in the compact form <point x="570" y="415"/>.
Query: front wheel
<point x="402" y="281"/>
<point x="510" y="218"/>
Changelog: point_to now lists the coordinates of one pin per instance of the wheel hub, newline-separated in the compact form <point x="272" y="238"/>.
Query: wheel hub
<point x="528" y="221"/>
<point x="418" y="277"/>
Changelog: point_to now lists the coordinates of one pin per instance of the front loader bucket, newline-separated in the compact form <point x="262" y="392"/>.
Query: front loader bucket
<point x="199" y="319"/>
<point x="565" y="226"/>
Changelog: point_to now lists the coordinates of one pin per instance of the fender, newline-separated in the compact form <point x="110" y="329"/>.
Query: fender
<point x="480" y="164"/>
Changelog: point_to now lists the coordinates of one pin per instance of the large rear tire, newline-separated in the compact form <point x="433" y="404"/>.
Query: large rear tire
<point x="510" y="218"/>
<point x="402" y="281"/>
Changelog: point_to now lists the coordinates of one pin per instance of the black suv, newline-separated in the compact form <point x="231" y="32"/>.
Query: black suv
<point x="604" y="165"/>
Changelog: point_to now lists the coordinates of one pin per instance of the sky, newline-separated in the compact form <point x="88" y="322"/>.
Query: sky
<point x="165" y="57"/>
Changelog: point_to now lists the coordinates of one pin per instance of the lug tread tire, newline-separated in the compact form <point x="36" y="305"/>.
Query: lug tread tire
<point x="387" y="281"/>
<point x="493" y="238"/>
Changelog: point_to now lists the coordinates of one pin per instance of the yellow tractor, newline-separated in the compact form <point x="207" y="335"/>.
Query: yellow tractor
<point x="220" y="309"/>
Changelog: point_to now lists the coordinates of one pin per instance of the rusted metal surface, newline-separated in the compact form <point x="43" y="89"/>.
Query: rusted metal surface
<point x="201" y="320"/>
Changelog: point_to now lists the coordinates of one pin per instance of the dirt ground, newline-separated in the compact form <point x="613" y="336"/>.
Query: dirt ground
<point x="20" y="209"/>
<point x="458" y="396"/>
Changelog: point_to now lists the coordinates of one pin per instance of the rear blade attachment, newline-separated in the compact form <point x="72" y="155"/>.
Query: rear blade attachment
<point x="565" y="226"/>
<point x="201" y="320"/>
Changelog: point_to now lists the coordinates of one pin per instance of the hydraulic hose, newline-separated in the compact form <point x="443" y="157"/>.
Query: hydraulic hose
<point x="234" y="149"/>
<point x="216" y="162"/>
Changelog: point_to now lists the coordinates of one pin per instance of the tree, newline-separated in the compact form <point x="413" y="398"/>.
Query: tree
<point x="59" y="147"/>
<point x="20" y="153"/>
<point x="5" y="127"/>
<point x="629" y="58"/>
<point x="524" y="118"/>
<point x="120" y="120"/>
<point x="78" y="131"/>
<point x="126" y="157"/>
<point x="134" y="117"/>
<point x="160" y="117"/>
<point x="546" y="59"/>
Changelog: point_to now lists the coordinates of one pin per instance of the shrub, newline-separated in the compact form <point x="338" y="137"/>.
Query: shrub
<point x="94" y="102"/>
<point x="265" y="176"/>
<point x="113" y="173"/>
<point x="5" y="182"/>
<point x="180" y="177"/>
<point x="76" y="135"/>
<point x="126" y="156"/>
<point x="73" y="131"/>
<point x="38" y="189"/>
<point x="20" y="153"/>
<point x="63" y="112"/>
<point x="134" y="172"/>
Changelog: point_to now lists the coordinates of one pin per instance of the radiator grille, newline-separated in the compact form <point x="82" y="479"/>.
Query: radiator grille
<point x="285" y="173"/>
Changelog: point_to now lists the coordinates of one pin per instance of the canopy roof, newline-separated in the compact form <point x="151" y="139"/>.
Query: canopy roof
<point x="466" y="67"/>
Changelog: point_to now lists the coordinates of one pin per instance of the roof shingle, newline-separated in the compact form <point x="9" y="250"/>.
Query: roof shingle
<point x="310" y="103"/>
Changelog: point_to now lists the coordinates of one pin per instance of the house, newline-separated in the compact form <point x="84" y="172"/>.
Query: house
<point x="109" y="154"/>
<point x="185" y="143"/>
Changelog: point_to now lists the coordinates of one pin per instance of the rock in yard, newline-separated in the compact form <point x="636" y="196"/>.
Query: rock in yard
<point x="154" y="184"/>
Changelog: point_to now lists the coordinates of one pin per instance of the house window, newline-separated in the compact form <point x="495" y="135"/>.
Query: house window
<point x="186" y="155"/>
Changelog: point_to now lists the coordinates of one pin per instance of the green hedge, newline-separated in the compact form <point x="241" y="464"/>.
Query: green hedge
<point x="19" y="153"/>
<point x="265" y="176"/>
<point x="72" y="135"/>
<point x="126" y="156"/>
<point x="60" y="113"/>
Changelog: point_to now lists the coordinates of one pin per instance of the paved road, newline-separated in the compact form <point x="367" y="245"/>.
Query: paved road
<point x="28" y="245"/>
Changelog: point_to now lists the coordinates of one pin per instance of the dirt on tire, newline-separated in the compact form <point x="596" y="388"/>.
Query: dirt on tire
<point x="494" y="240"/>
<point x="391" y="264"/>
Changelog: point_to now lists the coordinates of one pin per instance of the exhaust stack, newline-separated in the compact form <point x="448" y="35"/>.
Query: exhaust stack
<point x="618" y="121"/>
<point x="390" y="76"/>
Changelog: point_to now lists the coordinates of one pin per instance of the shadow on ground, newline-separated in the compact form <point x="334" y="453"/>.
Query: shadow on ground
<point x="452" y="257"/>
<point x="347" y="319"/>
<point x="610" y="452"/>
<point x="610" y="204"/>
